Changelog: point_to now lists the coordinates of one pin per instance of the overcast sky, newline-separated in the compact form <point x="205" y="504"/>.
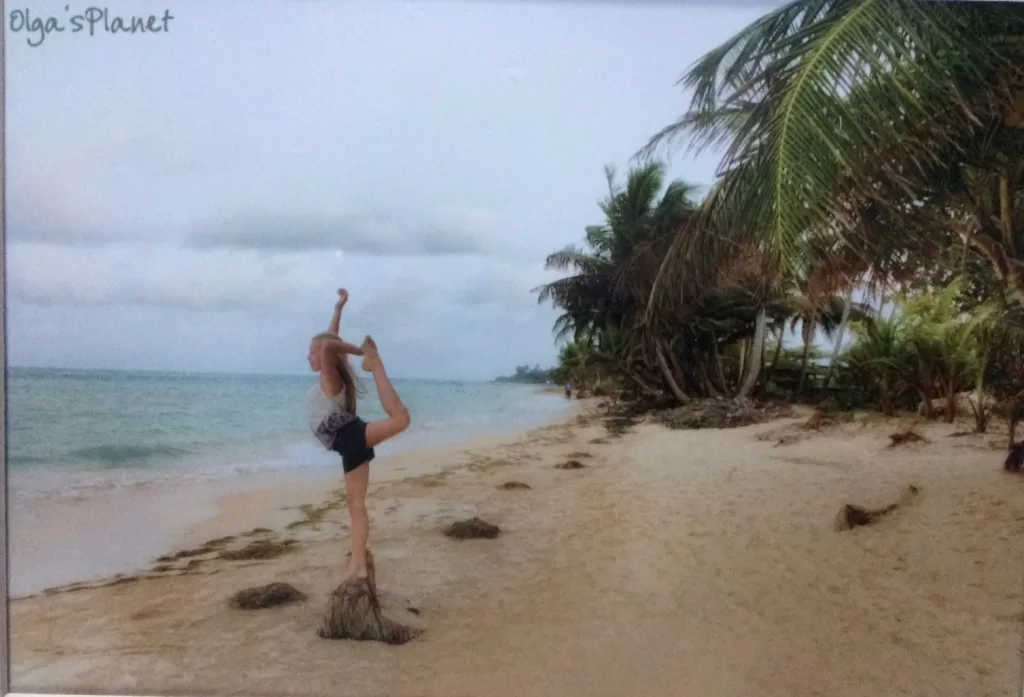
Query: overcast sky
<point x="191" y="200"/>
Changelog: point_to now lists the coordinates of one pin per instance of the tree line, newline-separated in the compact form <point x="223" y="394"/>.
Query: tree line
<point x="871" y="191"/>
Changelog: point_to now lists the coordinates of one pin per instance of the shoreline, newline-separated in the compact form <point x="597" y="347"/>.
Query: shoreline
<point x="213" y="508"/>
<point x="705" y="558"/>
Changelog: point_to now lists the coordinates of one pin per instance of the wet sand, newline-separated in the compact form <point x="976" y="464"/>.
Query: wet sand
<point x="675" y="562"/>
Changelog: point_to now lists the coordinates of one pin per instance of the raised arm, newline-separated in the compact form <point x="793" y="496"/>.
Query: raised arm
<point x="335" y="327"/>
<point x="330" y="349"/>
<point x="334" y="347"/>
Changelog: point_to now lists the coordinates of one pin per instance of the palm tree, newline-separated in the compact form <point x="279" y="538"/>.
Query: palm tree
<point x="607" y="292"/>
<point x="861" y="120"/>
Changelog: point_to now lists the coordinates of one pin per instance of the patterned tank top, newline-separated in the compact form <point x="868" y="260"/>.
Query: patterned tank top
<point x="326" y="415"/>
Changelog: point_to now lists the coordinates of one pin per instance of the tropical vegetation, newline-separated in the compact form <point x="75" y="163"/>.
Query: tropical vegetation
<point x="525" y="374"/>
<point x="871" y="192"/>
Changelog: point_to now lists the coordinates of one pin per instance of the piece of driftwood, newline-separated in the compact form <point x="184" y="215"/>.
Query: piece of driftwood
<point x="271" y="595"/>
<point x="904" y="437"/>
<point x="851" y="516"/>
<point x="1015" y="458"/>
<point x="354" y="611"/>
<point x="472" y="529"/>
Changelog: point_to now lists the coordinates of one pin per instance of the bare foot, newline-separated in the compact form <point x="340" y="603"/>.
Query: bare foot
<point x="371" y="359"/>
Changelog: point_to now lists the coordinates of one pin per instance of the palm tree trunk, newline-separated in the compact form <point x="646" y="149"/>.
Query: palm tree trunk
<point x="676" y="368"/>
<point x="716" y="360"/>
<point x="847" y="307"/>
<point x="1013" y="424"/>
<point x="808" y="336"/>
<point x="778" y="352"/>
<point x="1013" y="275"/>
<point x="887" y="407"/>
<point x="667" y="373"/>
<point x="950" y="401"/>
<point x="709" y="387"/>
<point x="644" y="387"/>
<point x="756" y="356"/>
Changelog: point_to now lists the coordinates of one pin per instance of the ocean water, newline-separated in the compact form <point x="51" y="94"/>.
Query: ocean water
<point x="72" y="432"/>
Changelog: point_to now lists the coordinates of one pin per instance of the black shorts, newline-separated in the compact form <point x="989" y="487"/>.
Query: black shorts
<point x="350" y="443"/>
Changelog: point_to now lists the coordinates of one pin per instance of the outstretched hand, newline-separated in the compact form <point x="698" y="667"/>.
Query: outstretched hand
<point x="342" y="297"/>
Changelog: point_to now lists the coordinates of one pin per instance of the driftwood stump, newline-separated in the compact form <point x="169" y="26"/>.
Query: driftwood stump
<point x="851" y="516"/>
<point x="1015" y="458"/>
<point x="354" y="611"/>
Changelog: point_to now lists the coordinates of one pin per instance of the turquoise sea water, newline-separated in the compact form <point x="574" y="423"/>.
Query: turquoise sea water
<point x="70" y="432"/>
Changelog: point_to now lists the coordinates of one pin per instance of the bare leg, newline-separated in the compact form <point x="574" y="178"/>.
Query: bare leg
<point x="398" y="416"/>
<point x="356" y="484"/>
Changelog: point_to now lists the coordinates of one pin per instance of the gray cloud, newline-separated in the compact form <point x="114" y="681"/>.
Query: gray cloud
<point x="44" y="275"/>
<point x="373" y="234"/>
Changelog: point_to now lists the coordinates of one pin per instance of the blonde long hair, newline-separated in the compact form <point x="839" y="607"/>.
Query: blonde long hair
<point x="348" y="377"/>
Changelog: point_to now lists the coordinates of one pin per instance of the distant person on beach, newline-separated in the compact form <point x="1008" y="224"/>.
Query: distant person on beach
<point x="331" y="409"/>
<point x="568" y="390"/>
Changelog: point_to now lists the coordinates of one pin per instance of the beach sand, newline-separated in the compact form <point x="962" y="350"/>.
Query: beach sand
<point x="674" y="563"/>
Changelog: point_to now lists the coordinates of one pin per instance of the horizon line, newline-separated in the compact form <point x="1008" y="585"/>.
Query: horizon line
<point x="211" y="373"/>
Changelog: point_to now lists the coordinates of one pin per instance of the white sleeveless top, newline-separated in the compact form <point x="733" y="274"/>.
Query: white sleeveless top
<point x="326" y="415"/>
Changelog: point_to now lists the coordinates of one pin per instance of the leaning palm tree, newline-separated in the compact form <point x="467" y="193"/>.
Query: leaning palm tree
<point x="838" y="114"/>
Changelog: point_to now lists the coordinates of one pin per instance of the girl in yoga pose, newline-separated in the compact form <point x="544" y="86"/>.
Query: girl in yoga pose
<point x="331" y="409"/>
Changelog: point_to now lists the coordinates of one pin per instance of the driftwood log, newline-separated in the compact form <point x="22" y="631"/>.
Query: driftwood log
<point x="851" y="516"/>
<point x="355" y="611"/>
<point x="904" y="437"/>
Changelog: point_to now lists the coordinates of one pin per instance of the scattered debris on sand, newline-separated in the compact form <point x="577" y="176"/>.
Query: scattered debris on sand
<point x="851" y="516"/>
<point x="824" y="417"/>
<point x="270" y="595"/>
<point x="570" y="465"/>
<point x="472" y="529"/>
<point x="721" y="412"/>
<point x="314" y="515"/>
<point x="259" y="550"/>
<point x="618" y="426"/>
<point x="905" y="437"/>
